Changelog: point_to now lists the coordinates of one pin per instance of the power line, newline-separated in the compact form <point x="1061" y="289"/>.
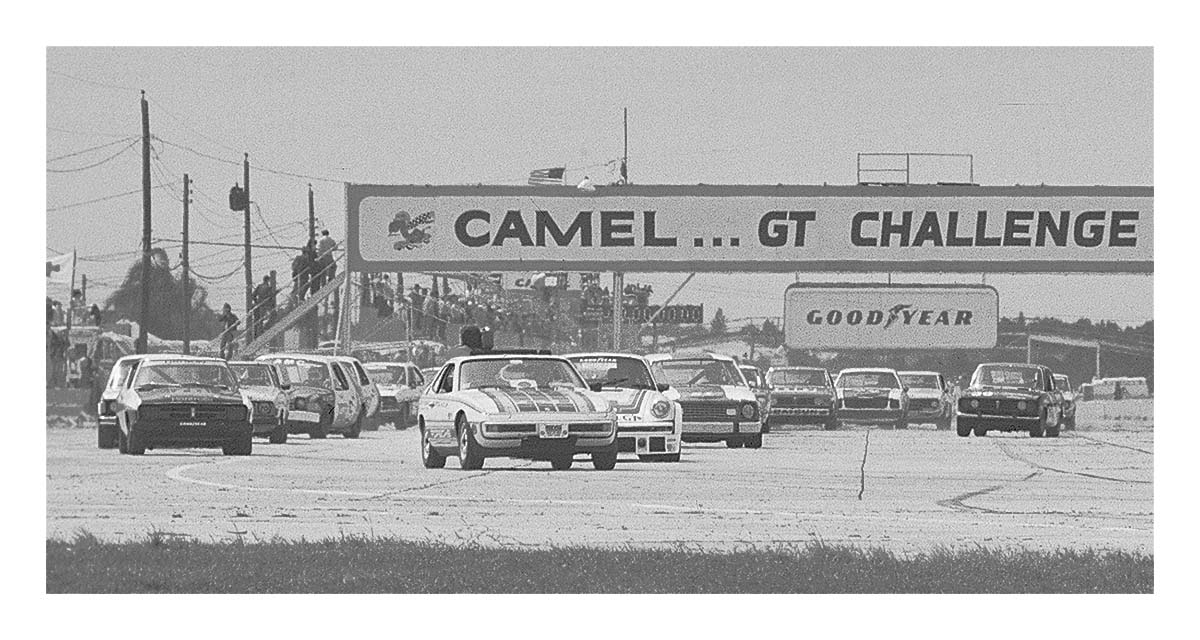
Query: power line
<point x="97" y="83"/>
<point x="101" y="199"/>
<point x="94" y="134"/>
<point x="95" y="164"/>
<point x="90" y="149"/>
<point x="256" y="167"/>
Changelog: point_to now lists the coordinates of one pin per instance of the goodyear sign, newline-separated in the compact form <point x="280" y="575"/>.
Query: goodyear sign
<point x="914" y="228"/>
<point x="871" y="316"/>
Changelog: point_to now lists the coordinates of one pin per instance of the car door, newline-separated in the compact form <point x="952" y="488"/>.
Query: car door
<point x="345" y="397"/>
<point x="367" y="386"/>
<point x="435" y="407"/>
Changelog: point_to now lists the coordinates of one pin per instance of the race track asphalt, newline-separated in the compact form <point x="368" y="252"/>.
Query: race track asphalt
<point x="922" y="489"/>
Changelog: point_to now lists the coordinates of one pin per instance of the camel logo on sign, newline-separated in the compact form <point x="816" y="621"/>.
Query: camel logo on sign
<point x="409" y="231"/>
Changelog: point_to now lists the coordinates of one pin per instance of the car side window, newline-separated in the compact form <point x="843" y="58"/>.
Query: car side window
<point x="446" y="383"/>
<point x="363" y="379"/>
<point x="340" y="379"/>
<point x="417" y="379"/>
<point x="941" y="382"/>
<point x="1048" y="380"/>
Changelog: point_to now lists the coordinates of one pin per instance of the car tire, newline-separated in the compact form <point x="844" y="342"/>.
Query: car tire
<point x="604" y="460"/>
<point x="660" y="457"/>
<point x="830" y="425"/>
<point x="356" y="428"/>
<point x="468" y="456"/>
<point x="134" y="445"/>
<point x="943" y="425"/>
<point x="106" y="436"/>
<point x="753" y="442"/>
<point x="980" y="432"/>
<point x="243" y="446"/>
<point x="429" y="456"/>
<point x="562" y="463"/>
<point x="733" y="443"/>
<point x="766" y="426"/>
<point x="279" y="435"/>
<point x="122" y="441"/>
<point x="321" y="431"/>
<point x="901" y="424"/>
<point x="1038" y="430"/>
<point x="962" y="428"/>
<point x="1053" y="430"/>
<point x="1069" y="424"/>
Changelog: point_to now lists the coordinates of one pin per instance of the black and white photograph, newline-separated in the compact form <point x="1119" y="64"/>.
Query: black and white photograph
<point x="635" y="318"/>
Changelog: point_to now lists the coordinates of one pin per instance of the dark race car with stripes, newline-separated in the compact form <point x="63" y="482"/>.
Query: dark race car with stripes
<point x="520" y="405"/>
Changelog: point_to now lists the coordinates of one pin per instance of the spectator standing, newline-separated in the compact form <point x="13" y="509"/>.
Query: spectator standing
<point x="325" y="262"/>
<point x="418" y="306"/>
<point x="264" y="305"/>
<point x="301" y="272"/>
<point x="230" y="322"/>
<point x="94" y="314"/>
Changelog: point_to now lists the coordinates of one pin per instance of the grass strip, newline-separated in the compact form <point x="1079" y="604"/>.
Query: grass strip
<point x="161" y="564"/>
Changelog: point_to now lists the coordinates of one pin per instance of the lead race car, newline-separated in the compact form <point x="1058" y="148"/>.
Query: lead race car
<point x="1010" y="397"/>
<point x="648" y="422"/>
<point x="516" y="404"/>
<point x="718" y="404"/>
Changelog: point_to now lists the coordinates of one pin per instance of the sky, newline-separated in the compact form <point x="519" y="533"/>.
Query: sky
<point x="1068" y="116"/>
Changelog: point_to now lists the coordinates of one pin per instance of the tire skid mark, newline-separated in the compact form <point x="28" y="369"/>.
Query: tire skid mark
<point x="957" y="502"/>
<point x="1004" y="448"/>
<point x="1111" y="444"/>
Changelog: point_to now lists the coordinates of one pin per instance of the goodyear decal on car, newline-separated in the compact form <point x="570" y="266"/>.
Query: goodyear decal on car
<point x="537" y="401"/>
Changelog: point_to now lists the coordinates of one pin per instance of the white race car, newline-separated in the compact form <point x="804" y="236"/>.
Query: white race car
<point x="648" y="422"/>
<point x="399" y="385"/>
<point x="517" y="405"/>
<point x="717" y="403"/>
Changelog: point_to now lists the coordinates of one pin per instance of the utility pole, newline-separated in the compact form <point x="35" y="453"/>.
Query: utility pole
<point x="249" y="275"/>
<point x="312" y="218"/>
<point x="187" y="293"/>
<point x="142" y="339"/>
<point x="618" y="290"/>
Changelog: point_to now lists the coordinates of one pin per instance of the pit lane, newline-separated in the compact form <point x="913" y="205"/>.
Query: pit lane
<point x="921" y="489"/>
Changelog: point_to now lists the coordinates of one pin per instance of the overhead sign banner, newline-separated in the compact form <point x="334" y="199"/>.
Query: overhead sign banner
<point x="916" y="228"/>
<point x="870" y="316"/>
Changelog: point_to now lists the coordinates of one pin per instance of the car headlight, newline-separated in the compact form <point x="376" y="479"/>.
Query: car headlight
<point x="660" y="409"/>
<point x="300" y="404"/>
<point x="749" y="410"/>
<point x="1022" y="405"/>
<point x="974" y="403"/>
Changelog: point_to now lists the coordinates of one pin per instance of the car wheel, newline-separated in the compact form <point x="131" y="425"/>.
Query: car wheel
<point x="766" y="428"/>
<point x="243" y="446"/>
<point x="1069" y="424"/>
<point x="901" y="424"/>
<point x="604" y="460"/>
<point x="133" y="444"/>
<point x="321" y="430"/>
<point x="563" y="462"/>
<point x="830" y="425"/>
<point x="1052" y="431"/>
<point x="279" y="435"/>
<point x="356" y="428"/>
<point x="980" y="432"/>
<point x="106" y="436"/>
<point x="468" y="458"/>
<point x="429" y="456"/>
<point x="733" y="443"/>
<point x="122" y="441"/>
<point x="1038" y="430"/>
<point x="753" y="442"/>
<point x="962" y="428"/>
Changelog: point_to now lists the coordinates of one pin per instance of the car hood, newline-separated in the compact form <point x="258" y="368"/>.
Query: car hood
<point x="802" y="391"/>
<point x="992" y="392"/>
<point x="715" y="392"/>
<point x="494" y="400"/>
<point x="866" y="392"/>
<point x="306" y="391"/>
<point x="189" y="395"/>
<point x="630" y="401"/>
<point x="929" y="394"/>
<point x="270" y="394"/>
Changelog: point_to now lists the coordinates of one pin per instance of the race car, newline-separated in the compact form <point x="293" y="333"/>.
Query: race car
<point x="107" y="430"/>
<point x="803" y="395"/>
<point x="872" y="395"/>
<point x="754" y="377"/>
<point x="516" y="404"/>
<point x="1004" y="396"/>
<point x="399" y="386"/>
<point x="261" y="386"/>
<point x="648" y="422"/>
<point x="1063" y="384"/>
<point x="324" y="399"/>
<point x="368" y="393"/>
<point x="929" y="398"/>
<point x="181" y="401"/>
<point x="717" y="403"/>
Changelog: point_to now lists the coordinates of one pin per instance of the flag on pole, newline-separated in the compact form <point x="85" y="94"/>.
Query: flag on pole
<point x="552" y="176"/>
<point x="59" y="269"/>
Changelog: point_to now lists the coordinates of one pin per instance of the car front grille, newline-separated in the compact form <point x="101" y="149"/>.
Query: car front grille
<point x="999" y="406"/>
<point x="709" y="411"/>
<point x="866" y="403"/>
<point x="192" y="412"/>
<point x="798" y="401"/>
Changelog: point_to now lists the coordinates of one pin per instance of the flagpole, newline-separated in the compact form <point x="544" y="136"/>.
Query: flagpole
<point x="71" y="300"/>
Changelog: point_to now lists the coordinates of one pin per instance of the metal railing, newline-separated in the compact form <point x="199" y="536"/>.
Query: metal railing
<point x="906" y="170"/>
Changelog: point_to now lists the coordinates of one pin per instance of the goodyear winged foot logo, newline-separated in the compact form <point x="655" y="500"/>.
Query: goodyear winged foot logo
<point x="412" y="231"/>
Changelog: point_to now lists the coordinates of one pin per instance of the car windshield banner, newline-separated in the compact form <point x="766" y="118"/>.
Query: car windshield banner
<point x="872" y="316"/>
<point x="915" y="228"/>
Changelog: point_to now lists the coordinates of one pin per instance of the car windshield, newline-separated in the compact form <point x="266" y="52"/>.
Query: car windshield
<point x="306" y="373"/>
<point x="1007" y="376"/>
<point x="614" y="371"/>
<point x="752" y="376"/>
<point x="698" y="371"/>
<point x="253" y="375"/>
<point x="920" y="381"/>
<point x="798" y="378"/>
<point x="871" y="379"/>
<point x="518" y="373"/>
<point x="386" y="375"/>
<point x="183" y="374"/>
<point x="1062" y="382"/>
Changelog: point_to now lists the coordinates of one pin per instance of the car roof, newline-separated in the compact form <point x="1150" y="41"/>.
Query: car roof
<point x="605" y="354"/>
<point x="790" y="368"/>
<point x="866" y="370"/>
<point x="505" y="356"/>
<point x="175" y="357"/>
<point x="258" y="363"/>
<point x="658" y="357"/>
<point x="388" y="365"/>
<point x="918" y="373"/>
<point x="313" y="357"/>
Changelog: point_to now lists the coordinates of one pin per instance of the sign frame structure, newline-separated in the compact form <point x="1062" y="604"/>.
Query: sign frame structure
<point x="891" y="289"/>
<point x="751" y="228"/>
